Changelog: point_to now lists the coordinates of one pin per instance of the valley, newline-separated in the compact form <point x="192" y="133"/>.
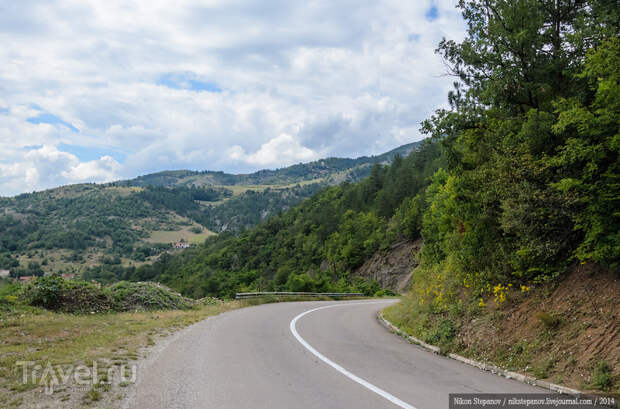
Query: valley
<point x="129" y="223"/>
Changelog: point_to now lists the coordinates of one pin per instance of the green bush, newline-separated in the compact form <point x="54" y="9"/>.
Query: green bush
<point x="208" y="301"/>
<point x="543" y="369"/>
<point x="9" y="287"/>
<point x="9" y="292"/>
<point x="145" y="296"/>
<point x="56" y="294"/>
<point x="443" y="334"/>
<point x="550" y="321"/>
<point x="367" y="287"/>
<point x="602" y="377"/>
<point x="385" y="293"/>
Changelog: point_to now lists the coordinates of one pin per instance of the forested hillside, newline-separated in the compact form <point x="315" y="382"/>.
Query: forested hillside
<point x="330" y="169"/>
<point x="532" y="181"/>
<point x="129" y="222"/>
<point x="314" y="246"/>
<point x="527" y="184"/>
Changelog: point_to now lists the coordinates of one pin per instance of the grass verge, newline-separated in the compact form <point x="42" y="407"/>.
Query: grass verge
<point x="62" y="340"/>
<point x="564" y="333"/>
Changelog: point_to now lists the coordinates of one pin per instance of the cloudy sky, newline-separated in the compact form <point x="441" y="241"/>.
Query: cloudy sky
<point x="94" y="91"/>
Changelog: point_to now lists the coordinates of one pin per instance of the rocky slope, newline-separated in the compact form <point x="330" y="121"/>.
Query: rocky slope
<point x="392" y="268"/>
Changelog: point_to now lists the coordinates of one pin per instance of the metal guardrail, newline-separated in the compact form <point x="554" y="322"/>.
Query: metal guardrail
<point x="292" y="294"/>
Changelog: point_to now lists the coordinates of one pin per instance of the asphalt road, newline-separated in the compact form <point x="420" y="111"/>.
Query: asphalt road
<point x="336" y="357"/>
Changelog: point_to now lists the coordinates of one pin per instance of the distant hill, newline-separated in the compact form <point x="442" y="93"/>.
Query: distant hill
<point x="332" y="241"/>
<point x="133" y="221"/>
<point x="330" y="170"/>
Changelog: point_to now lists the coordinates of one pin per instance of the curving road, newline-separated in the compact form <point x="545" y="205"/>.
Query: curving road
<point x="304" y="355"/>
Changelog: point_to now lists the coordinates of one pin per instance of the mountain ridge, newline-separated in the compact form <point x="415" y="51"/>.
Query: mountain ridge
<point x="285" y="175"/>
<point x="132" y="221"/>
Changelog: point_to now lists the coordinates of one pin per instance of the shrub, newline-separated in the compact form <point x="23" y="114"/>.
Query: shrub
<point x="602" y="378"/>
<point x="9" y="287"/>
<point x="208" y="301"/>
<point x="385" y="293"/>
<point x="367" y="287"/>
<point x="543" y="369"/>
<point x="550" y="321"/>
<point x="8" y="294"/>
<point x="443" y="333"/>
<point x="146" y="296"/>
<point x="55" y="293"/>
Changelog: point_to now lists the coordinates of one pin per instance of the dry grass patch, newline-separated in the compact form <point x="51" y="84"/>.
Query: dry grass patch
<point x="32" y="334"/>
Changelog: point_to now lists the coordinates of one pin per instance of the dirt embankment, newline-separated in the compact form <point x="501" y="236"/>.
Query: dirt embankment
<point x="560" y="333"/>
<point x="393" y="268"/>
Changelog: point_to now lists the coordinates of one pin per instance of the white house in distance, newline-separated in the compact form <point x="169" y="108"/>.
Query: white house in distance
<point x="4" y="273"/>
<point x="181" y="245"/>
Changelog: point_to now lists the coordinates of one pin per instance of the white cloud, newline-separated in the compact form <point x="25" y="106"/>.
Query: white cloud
<point x="46" y="166"/>
<point x="298" y="80"/>
<point x="104" y="169"/>
<point x="281" y="150"/>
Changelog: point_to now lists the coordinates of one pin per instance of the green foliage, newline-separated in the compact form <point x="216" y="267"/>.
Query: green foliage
<point x="407" y="220"/>
<point x="313" y="246"/>
<point x="531" y="143"/>
<point x="384" y="293"/>
<point x="589" y="161"/>
<point x="183" y="200"/>
<point x="117" y="218"/>
<point x="531" y="181"/>
<point x="251" y="207"/>
<point x="57" y="294"/>
<point x="602" y="377"/>
<point x="359" y="236"/>
<point x="75" y="218"/>
<point x="443" y="333"/>
<point x="9" y="294"/>
<point x="145" y="296"/>
<point x="9" y="287"/>
<point x="543" y="368"/>
<point x="366" y="287"/>
<point x="7" y="261"/>
<point x="93" y="395"/>
<point x="549" y="321"/>
<point x="357" y="168"/>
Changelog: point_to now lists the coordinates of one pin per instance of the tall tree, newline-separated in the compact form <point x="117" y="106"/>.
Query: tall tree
<point x="519" y="61"/>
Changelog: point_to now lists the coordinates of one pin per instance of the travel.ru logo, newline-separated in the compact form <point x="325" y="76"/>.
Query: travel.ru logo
<point x="53" y="376"/>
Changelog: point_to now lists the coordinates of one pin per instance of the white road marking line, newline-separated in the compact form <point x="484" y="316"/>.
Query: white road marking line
<point x="339" y="368"/>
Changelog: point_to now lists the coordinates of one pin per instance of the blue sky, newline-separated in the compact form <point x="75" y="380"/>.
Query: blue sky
<point x="92" y="153"/>
<point x="47" y="118"/>
<point x="93" y="92"/>
<point x="188" y="81"/>
<point x="432" y="13"/>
